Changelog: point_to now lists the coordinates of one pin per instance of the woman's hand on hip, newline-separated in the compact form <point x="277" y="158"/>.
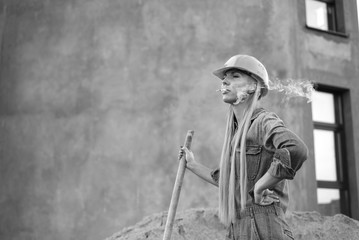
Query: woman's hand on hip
<point x="265" y="197"/>
<point x="262" y="194"/>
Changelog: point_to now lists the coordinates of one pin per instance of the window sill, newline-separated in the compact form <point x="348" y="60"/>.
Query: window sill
<point x="340" y="34"/>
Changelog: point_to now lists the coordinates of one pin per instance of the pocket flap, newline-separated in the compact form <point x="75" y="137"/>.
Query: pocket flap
<point x="251" y="149"/>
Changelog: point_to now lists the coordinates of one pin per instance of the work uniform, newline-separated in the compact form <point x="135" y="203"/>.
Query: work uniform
<point x="272" y="148"/>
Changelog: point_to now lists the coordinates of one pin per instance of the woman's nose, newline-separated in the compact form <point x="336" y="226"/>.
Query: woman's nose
<point x="225" y="81"/>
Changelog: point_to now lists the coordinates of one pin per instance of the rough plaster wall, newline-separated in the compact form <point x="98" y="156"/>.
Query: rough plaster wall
<point x="333" y="60"/>
<point x="97" y="96"/>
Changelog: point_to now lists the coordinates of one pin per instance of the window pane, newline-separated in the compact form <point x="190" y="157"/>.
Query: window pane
<point x="323" y="107"/>
<point x="328" y="201"/>
<point x="317" y="15"/>
<point x="324" y="153"/>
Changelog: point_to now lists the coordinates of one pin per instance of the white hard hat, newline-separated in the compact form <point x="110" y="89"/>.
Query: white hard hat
<point x="248" y="64"/>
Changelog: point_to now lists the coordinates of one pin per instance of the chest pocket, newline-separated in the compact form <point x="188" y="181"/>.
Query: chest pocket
<point x="253" y="156"/>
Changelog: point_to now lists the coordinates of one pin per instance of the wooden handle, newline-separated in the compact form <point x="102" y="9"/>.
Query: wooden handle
<point x="177" y="189"/>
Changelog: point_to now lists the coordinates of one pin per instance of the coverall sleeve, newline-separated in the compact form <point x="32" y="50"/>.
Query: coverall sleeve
<point x="290" y="150"/>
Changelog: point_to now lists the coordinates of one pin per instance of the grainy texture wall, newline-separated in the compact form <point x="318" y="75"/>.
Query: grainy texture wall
<point x="97" y="95"/>
<point x="333" y="60"/>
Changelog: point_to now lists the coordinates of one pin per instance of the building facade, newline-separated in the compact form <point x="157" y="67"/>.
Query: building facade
<point x="97" y="96"/>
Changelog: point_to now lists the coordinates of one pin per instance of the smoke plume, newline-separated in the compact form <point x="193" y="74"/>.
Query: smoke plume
<point x="293" y="88"/>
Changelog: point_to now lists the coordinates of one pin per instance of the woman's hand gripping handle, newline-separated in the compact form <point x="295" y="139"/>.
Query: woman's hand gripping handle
<point x="187" y="155"/>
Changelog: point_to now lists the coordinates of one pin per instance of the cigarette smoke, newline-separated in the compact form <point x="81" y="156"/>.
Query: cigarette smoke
<point x="293" y="88"/>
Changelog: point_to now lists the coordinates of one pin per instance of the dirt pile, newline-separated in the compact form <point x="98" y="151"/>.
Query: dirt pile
<point x="204" y="224"/>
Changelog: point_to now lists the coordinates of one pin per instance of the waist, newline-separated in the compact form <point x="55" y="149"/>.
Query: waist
<point x="254" y="209"/>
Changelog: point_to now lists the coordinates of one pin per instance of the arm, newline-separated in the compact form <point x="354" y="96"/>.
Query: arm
<point x="265" y="182"/>
<point x="262" y="195"/>
<point x="197" y="168"/>
<point x="202" y="172"/>
<point x="290" y="153"/>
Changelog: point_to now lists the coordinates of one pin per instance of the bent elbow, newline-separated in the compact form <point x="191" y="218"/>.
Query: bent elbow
<point x="304" y="152"/>
<point x="301" y="155"/>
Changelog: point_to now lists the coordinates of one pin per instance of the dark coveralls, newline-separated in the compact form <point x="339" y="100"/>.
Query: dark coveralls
<point x="272" y="148"/>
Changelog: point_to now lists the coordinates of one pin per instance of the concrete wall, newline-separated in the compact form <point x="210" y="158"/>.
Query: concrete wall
<point x="97" y="95"/>
<point x="333" y="60"/>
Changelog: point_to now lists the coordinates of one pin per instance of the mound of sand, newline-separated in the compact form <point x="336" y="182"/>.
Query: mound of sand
<point x="204" y="224"/>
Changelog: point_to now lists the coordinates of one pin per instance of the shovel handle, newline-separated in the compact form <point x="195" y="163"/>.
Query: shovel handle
<point x="177" y="189"/>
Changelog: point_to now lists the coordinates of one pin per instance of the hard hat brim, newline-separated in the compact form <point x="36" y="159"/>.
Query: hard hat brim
<point x="220" y="72"/>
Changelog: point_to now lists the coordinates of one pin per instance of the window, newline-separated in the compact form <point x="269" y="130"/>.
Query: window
<point x="330" y="162"/>
<point x="325" y="15"/>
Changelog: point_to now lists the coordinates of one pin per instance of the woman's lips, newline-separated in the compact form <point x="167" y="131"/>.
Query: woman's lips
<point x="223" y="90"/>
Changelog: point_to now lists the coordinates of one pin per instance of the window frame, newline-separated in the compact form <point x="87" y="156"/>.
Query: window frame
<point x="335" y="17"/>
<point x="338" y="128"/>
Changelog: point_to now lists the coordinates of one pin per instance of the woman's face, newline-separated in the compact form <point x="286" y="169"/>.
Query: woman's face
<point x="236" y="85"/>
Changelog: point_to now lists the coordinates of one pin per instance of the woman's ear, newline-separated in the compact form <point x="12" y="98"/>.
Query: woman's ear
<point x="252" y="88"/>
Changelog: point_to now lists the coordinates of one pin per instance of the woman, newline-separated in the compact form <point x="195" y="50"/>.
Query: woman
<point x="259" y="153"/>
